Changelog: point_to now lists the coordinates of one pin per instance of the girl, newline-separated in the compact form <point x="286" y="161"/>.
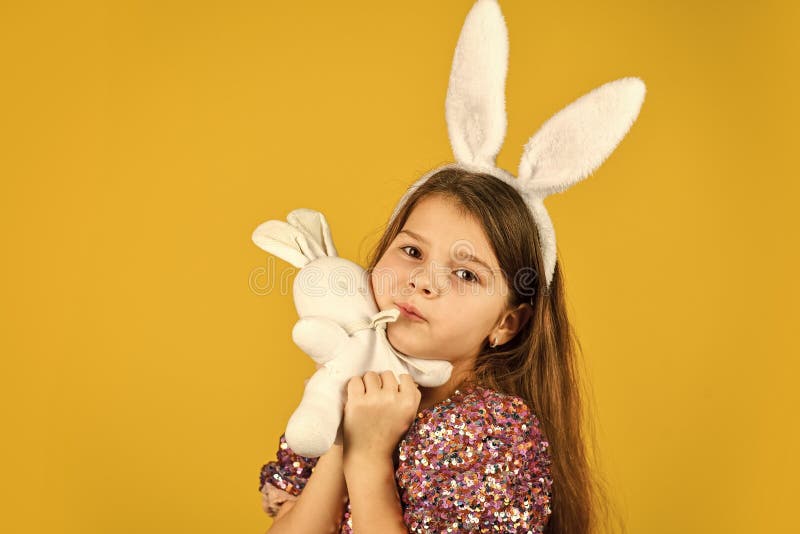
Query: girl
<point x="499" y="447"/>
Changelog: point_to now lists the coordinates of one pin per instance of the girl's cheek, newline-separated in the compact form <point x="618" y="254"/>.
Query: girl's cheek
<point x="386" y="282"/>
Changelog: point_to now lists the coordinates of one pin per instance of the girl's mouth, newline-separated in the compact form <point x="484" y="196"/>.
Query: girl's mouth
<point x="410" y="315"/>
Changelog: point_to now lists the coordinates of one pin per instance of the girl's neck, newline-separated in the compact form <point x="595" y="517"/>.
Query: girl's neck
<point x="436" y="394"/>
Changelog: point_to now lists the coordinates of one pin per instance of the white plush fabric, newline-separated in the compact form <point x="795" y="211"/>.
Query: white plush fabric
<point x="340" y="327"/>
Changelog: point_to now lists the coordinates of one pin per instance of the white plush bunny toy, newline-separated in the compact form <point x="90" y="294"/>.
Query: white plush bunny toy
<point x="340" y="327"/>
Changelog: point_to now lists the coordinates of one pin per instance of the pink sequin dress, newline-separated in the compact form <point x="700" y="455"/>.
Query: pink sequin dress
<point x="477" y="461"/>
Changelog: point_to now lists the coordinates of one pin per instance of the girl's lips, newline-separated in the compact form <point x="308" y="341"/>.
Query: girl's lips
<point x="410" y="315"/>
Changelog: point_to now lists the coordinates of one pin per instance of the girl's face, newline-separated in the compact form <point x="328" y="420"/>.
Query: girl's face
<point x="428" y="266"/>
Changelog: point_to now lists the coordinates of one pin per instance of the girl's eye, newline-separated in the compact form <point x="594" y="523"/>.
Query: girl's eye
<point x="409" y="246"/>
<point x="471" y="276"/>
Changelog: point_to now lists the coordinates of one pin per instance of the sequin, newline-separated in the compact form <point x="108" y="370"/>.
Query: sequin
<point x="477" y="461"/>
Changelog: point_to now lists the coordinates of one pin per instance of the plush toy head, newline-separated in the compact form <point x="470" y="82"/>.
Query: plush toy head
<point x="340" y="327"/>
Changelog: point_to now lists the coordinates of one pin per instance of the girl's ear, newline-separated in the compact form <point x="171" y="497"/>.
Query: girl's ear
<point x="512" y="322"/>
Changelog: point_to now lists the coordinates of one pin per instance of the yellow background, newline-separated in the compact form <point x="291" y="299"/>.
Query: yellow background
<point x="145" y="379"/>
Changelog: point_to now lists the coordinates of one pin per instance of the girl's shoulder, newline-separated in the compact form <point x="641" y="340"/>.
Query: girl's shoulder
<point x="481" y="411"/>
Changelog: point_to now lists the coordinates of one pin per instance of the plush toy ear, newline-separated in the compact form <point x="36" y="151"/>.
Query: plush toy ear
<point x="314" y="224"/>
<point x="475" y="107"/>
<point x="304" y="238"/>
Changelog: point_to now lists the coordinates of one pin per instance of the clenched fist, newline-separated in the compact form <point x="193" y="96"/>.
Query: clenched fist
<point x="378" y="412"/>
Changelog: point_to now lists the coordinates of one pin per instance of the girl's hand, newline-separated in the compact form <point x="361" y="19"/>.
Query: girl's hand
<point x="378" y="412"/>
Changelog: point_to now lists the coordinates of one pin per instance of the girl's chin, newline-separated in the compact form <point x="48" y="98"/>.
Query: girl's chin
<point x="401" y="346"/>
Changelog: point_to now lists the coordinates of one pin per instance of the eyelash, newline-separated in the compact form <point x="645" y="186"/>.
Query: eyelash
<point x="474" y="276"/>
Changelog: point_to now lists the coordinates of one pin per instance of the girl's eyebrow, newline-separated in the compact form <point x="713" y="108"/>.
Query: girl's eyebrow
<point x="414" y="235"/>
<point x="466" y="257"/>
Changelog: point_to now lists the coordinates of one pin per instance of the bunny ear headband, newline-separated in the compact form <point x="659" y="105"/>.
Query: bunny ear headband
<point x="566" y="149"/>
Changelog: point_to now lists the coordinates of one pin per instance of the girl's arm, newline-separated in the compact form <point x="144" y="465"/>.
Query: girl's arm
<point x="378" y="411"/>
<point x="374" y="502"/>
<point x="320" y="506"/>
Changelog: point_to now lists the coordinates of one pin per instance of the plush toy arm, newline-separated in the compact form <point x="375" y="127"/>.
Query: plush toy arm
<point x="319" y="337"/>
<point x="428" y="373"/>
<point x="314" y="425"/>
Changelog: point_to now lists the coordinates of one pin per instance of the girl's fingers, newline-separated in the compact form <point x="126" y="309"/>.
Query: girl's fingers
<point x="389" y="381"/>
<point x="407" y="383"/>
<point x="372" y="381"/>
<point x="355" y="387"/>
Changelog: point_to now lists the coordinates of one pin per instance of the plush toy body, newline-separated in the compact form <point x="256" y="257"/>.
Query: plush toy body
<point x="340" y="327"/>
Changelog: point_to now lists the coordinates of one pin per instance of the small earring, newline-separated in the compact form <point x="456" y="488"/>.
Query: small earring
<point x="495" y="342"/>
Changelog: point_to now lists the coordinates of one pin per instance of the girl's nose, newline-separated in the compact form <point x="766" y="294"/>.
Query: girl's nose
<point x="425" y="289"/>
<point x="422" y="281"/>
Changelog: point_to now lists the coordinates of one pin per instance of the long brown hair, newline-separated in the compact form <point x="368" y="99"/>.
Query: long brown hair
<point x="540" y="364"/>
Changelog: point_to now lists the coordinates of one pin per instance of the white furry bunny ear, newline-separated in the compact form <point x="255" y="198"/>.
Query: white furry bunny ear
<point x="578" y="139"/>
<point x="571" y="145"/>
<point x="305" y="237"/>
<point x="475" y="106"/>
